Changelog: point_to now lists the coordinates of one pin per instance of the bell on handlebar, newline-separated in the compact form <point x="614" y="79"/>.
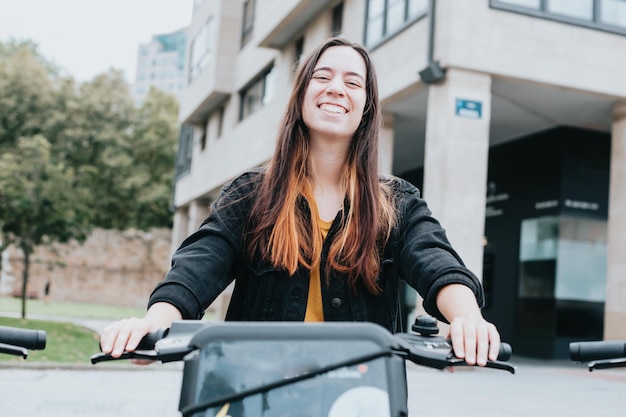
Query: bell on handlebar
<point x="425" y="326"/>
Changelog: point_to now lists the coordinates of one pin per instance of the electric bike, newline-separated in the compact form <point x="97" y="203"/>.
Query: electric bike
<point x="294" y="369"/>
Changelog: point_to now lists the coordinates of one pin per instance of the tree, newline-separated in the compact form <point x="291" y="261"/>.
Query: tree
<point x="38" y="203"/>
<point x="154" y="152"/>
<point x="94" y="137"/>
<point x="26" y="92"/>
<point x="26" y="97"/>
<point x="102" y="162"/>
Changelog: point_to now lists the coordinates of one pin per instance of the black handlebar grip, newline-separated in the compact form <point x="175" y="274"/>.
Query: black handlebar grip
<point x="505" y="352"/>
<point x="590" y="351"/>
<point x="26" y="338"/>
<point x="149" y="340"/>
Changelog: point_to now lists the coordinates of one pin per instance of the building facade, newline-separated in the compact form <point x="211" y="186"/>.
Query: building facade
<point x="161" y="64"/>
<point x="509" y="115"/>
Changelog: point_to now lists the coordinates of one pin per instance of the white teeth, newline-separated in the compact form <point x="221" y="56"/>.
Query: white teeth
<point x="331" y="108"/>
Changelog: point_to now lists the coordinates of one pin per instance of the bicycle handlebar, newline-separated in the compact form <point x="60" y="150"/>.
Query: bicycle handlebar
<point x="15" y="341"/>
<point x="172" y="344"/>
<point x="590" y="351"/>
<point x="600" y="354"/>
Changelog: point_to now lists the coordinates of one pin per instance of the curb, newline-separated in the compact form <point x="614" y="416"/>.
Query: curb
<point x="89" y="367"/>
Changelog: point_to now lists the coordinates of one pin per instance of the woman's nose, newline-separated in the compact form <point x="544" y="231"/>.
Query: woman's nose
<point x="335" y="87"/>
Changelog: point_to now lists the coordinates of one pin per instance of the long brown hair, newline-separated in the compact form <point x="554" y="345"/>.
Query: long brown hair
<point x="277" y="228"/>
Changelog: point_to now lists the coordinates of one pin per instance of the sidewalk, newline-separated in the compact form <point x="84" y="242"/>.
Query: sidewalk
<point x="94" y="324"/>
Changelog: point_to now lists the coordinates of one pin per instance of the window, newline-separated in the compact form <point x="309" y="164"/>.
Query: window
<point x="185" y="149"/>
<point x="608" y="15"/>
<point x="200" y="51"/>
<point x="299" y="49"/>
<point x="203" y="134"/>
<point x="613" y="13"/>
<point x="385" y="18"/>
<point x="258" y="94"/>
<point x="248" y="22"/>
<point x="337" y="20"/>
<point x="577" y="9"/>
<point x="562" y="277"/>
<point x="220" y="121"/>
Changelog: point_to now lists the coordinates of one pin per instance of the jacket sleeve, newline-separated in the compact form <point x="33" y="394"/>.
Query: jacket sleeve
<point x="202" y="267"/>
<point x="428" y="262"/>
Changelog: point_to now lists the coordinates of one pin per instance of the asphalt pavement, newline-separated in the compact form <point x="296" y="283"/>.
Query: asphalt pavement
<point x="538" y="388"/>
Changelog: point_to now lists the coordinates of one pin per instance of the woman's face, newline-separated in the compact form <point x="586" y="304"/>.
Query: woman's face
<point x="335" y="97"/>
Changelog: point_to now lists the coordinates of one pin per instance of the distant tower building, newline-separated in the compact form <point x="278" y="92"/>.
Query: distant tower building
<point x="160" y="64"/>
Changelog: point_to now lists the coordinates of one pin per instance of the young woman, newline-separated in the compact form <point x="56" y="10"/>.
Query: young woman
<point x="317" y="234"/>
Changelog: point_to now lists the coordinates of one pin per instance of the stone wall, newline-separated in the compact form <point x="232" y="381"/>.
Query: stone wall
<point x="110" y="267"/>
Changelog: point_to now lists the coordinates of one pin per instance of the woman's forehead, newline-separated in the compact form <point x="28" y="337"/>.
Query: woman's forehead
<point x="342" y="59"/>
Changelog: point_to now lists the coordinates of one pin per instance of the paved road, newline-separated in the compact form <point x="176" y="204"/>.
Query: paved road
<point x="537" y="389"/>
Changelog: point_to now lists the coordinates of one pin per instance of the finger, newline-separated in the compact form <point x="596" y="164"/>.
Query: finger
<point x="469" y="338"/>
<point x="109" y="335"/>
<point x="457" y="339"/>
<point x="140" y="329"/>
<point x="482" y="343"/>
<point x="121" y="339"/>
<point x="494" y="342"/>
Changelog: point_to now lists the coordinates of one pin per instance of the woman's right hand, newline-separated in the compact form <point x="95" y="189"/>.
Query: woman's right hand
<point x="125" y="335"/>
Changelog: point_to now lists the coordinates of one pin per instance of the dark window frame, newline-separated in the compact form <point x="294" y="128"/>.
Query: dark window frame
<point x="386" y="33"/>
<point x="544" y="13"/>
<point x="336" y="27"/>
<point x="220" y="121"/>
<point x="247" y="25"/>
<point x="299" y="51"/>
<point x="185" y="150"/>
<point x="258" y="83"/>
<point x="197" y="64"/>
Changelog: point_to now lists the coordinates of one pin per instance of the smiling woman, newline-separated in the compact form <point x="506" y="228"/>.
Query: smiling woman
<point x="335" y="99"/>
<point x="318" y="234"/>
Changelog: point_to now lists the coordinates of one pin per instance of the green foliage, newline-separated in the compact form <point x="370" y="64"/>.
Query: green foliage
<point x="154" y="151"/>
<point x="38" y="203"/>
<point x="74" y="156"/>
<point x="119" y="158"/>
<point x="26" y="93"/>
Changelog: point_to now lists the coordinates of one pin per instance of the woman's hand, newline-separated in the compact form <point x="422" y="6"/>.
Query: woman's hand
<point x="125" y="335"/>
<point x="475" y="340"/>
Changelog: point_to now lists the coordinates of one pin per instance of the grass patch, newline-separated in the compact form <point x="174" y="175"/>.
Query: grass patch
<point x="65" y="342"/>
<point x="69" y="309"/>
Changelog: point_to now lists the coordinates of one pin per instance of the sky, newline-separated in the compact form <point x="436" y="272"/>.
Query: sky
<point x="87" y="37"/>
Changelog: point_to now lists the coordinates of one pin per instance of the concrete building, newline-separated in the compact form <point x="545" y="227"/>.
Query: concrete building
<point x="161" y="64"/>
<point x="509" y="115"/>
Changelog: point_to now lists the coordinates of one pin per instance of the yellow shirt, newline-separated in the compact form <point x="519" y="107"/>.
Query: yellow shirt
<point x="314" y="310"/>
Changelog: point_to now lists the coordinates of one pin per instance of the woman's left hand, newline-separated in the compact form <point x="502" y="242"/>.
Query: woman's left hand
<point x="474" y="339"/>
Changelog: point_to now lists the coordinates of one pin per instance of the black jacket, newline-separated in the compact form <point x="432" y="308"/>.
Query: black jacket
<point x="211" y="258"/>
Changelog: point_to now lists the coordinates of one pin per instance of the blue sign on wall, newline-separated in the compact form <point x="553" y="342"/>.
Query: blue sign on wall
<point x="469" y="108"/>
